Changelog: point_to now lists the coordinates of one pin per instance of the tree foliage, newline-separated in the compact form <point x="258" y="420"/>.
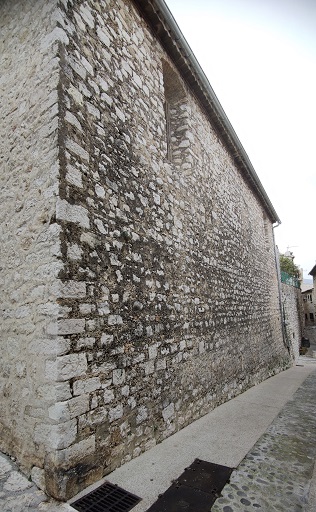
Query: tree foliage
<point x="287" y="265"/>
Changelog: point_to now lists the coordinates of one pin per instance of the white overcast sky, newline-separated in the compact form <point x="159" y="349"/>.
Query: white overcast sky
<point x="260" y="59"/>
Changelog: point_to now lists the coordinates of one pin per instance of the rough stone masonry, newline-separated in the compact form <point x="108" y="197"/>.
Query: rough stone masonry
<point x="138" y="279"/>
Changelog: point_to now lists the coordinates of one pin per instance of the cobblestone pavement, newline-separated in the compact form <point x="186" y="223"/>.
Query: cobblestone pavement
<point x="18" y="494"/>
<point x="276" y="475"/>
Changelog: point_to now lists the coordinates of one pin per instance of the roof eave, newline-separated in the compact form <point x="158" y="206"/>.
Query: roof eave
<point x="313" y="271"/>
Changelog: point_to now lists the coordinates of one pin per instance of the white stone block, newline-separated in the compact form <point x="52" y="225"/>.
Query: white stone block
<point x="38" y="477"/>
<point x="67" y="326"/>
<point x="78" y="405"/>
<point x="74" y="176"/>
<point x="73" y="289"/>
<point x="142" y="414"/>
<point x="78" y="451"/>
<point x="116" y="413"/>
<point x="104" y="36"/>
<point x="56" y="346"/>
<point x="168" y="412"/>
<point x="74" y="252"/>
<point x="115" y="320"/>
<point x="56" y="436"/>
<point x="66" y="367"/>
<point x="152" y="352"/>
<point x="86" y="386"/>
<point x="85" y="343"/>
<point x="106" y="339"/>
<point x="108" y="396"/>
<point x="54" y="392"/>
<point x="59" y="412"/>
<point x="57" y="34"/>
<point x="76" y="95"/>
<point x="72" y="213"/>
<point x="118" y="377"/>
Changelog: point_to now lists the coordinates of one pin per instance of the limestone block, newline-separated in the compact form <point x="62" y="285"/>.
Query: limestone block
<point x="75" y="289"/>
<point x="38" y="477"/>
<point x="118" y="376"/>
<point x="115" y="320"/>
<point x="56" y="436"/>
<point x="58" y="34"/>
<point x="74" y="176"/>
<point x="66" y="367"/>
<point x="67" y="326"/>
<point x="59" y="412"/>
<point x="115" y="413"/>
<point x="142" y="414"/>
<point x="81" y="387"/>
<point x="108" y="396"/>
<point x="78" y="405"/>
<point x="72" y="213"/>
<point x="56" y="346"/>
<point x="168" y="412"/>
<point x="78" y="451"/>
<point x="85" y="343"/>
<point x="54" y="392"/>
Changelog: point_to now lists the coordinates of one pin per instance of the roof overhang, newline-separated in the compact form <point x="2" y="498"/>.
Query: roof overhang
<point x="313" y="271"/>
<point x="167" y="31"/>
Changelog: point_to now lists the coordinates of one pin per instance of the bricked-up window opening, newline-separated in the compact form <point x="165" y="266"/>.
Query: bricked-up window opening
<point x="175" y="114"/>
<point x="266" y="226"/>
<point x="168" y="131"/>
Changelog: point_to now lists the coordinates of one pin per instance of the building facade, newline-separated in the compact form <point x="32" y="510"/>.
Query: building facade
<point x="293" y="318"/>
<point x="309" y="300"/>
<point x="139" y="282"/>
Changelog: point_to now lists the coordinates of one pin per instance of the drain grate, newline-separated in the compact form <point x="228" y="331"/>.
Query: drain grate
<point x="107" y="498"/>
<point x="195" y="490"/>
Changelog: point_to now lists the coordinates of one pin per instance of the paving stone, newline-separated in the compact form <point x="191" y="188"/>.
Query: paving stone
<point x="277" y="473"/>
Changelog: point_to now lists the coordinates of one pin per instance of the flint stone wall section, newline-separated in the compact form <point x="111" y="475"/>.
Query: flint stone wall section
<point x="177" y="254"/>
<point x="162" y="298"/>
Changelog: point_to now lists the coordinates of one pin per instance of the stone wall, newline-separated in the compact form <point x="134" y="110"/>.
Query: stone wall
<point x="309" y="306"/>
<point x="30" y="245"/>
<point x="166" y="302"/>
<point x="293" y="313"/>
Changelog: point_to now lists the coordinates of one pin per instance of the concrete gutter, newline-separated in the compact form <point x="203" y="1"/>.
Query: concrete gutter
<point x="167" y="31"/>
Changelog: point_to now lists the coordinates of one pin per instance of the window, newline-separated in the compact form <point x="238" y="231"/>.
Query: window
<point x="311" y="317"/>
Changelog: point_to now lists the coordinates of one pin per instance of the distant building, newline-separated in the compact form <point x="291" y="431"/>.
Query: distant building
<point x="309" y="299"/>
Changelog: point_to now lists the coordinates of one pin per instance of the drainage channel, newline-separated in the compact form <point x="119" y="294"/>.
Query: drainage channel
<point x="194" y="491"/>
<point x="107" y="498"/>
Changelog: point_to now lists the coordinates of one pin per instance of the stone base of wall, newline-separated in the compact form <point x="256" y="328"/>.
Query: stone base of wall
<point x="64" y="476"/>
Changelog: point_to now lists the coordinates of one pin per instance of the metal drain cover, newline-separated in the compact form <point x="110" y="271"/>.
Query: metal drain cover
<point x="107" y="498"/>
<point x="195" y="490"/>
